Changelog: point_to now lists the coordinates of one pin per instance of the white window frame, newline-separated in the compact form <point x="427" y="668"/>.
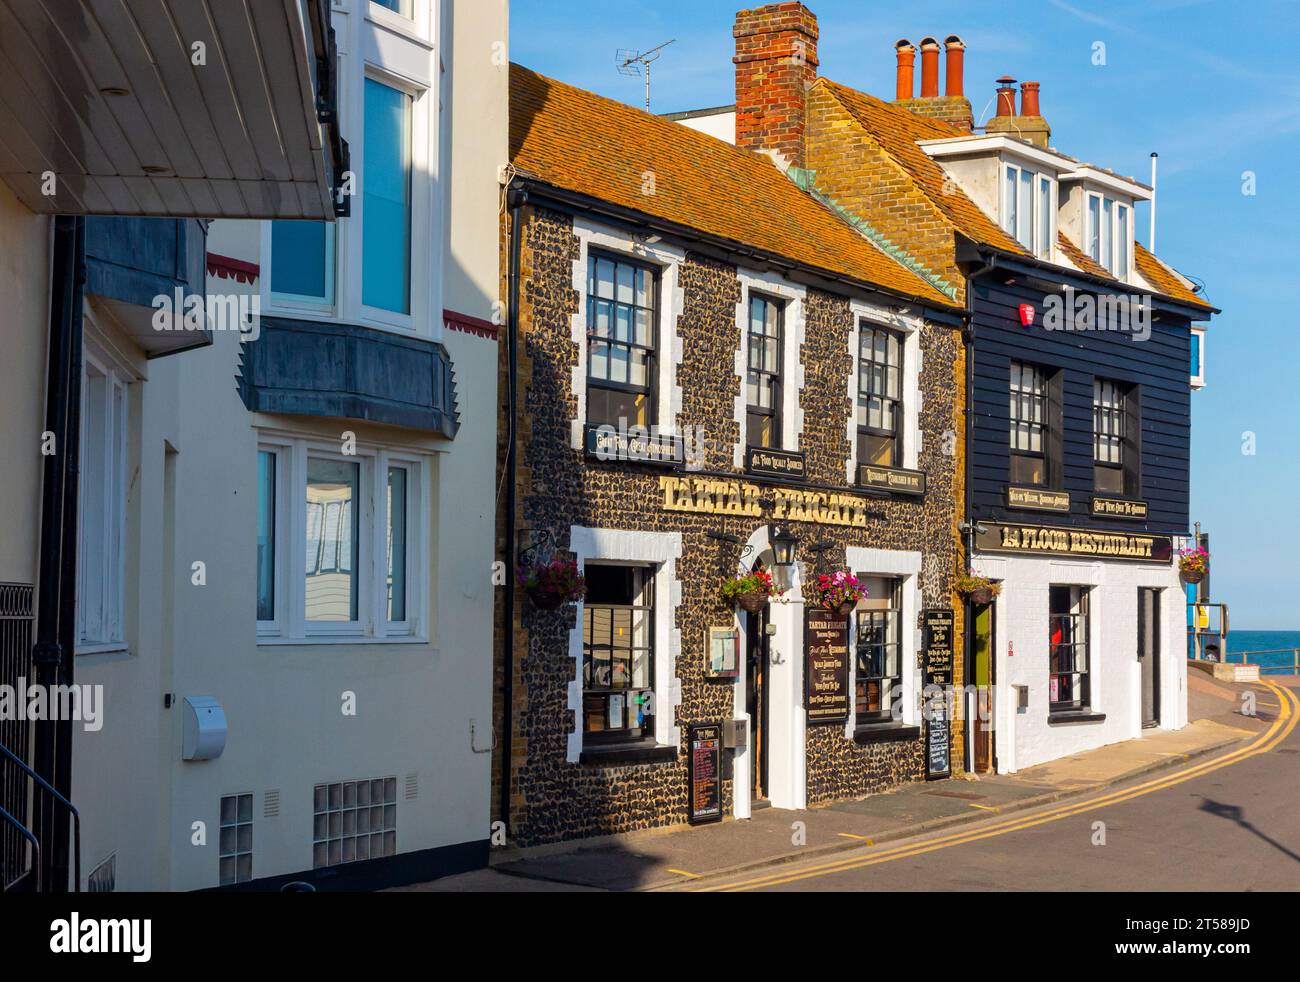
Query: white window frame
<point x="290" y="624"/>
<point x="913" y="364"/>
<point x="662" y="550"/>
<point x="1035" y="244"/>
<point x="898" y="565"/>
<point x="405" y="54"/>
<point x="112" y="417"/>
<point x="794" y="329"/>
<point x="1198" y="345"/>
<point x="1110" y="234"/>
<point x="669" y="306"/>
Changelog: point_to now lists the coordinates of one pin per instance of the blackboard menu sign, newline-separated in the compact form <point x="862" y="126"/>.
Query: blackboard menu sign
<point x="938" y="744"/>
<point x="705" y="766"/>
<point x="937" y="642"/>
<point x="826" y="666"/>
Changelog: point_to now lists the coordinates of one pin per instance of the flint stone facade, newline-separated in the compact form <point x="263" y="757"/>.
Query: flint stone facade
<point x="553" y="799"/>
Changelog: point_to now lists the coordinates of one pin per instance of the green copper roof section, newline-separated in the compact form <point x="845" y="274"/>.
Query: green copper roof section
<point x="806" y="181"/>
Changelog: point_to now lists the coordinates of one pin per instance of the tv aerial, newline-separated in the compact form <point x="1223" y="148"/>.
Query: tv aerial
<point x="636" y="63"/>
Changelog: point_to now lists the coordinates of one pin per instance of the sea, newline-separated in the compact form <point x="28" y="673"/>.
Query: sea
<point x="1283" y="643"/>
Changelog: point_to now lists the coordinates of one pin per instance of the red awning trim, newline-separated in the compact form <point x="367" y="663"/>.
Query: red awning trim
<point x="470" y="325"/>
<point x="232" y="269"/>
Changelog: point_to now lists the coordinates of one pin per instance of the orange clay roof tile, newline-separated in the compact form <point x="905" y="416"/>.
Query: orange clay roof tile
<point x="580" y="142"/>
<point x="898" y="131"/>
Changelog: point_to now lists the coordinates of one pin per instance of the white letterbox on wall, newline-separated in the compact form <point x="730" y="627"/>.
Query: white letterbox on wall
<point x="205" y="729"/>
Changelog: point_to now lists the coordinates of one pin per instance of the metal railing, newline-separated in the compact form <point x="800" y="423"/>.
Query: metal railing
<point x="16" y="627"/>
<point x="58" y="799"/>
<point x="1244" y="656"/>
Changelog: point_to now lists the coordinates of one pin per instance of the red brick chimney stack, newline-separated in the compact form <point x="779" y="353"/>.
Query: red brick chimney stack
<point x="776" y="65"/>
<point x="906" y="87"/>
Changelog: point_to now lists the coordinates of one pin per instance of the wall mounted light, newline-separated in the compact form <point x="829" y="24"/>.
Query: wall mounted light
<point x="784" y="545"/>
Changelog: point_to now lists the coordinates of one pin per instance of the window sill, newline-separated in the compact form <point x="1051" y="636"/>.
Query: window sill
<point x="868" y="733"/>
<point x="341" y="640"/>
<point x="619" y="754"/>
<point x="1075" y="717"/>
<point x="111" y="648"/>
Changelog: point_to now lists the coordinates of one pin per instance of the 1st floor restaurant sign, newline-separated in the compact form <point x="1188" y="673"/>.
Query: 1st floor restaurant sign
<point x="1036" y="540"/>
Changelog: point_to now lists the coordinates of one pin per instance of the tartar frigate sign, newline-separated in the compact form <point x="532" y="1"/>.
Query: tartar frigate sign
<point x="826" y="666"/>
<point x="937" y="642"/>
<point x="1034" y="540"/>
<point x="704" y="766"/>
<point x="717" y="496"/>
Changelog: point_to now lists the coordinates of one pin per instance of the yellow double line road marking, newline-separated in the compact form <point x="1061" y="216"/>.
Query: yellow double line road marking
<point x="1270" y="739"/>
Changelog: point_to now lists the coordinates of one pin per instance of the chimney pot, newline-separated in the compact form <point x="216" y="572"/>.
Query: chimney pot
<point x="1006" y="96"/>
<point x="1029" y="99"/>
<point x="955" y="49"/>
<point x="929" y="68"/>
<point x="906" y="88"/>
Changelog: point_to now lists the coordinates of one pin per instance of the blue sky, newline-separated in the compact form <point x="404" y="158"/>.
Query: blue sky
<point x="1213" y="86"/>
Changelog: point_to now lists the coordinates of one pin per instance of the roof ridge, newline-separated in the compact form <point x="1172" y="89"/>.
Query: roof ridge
<point x="942" y="129"/>
<point x="806" y="181"/>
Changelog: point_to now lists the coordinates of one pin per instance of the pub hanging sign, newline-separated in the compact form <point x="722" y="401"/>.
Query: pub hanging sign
<point x="1034" y="540"/>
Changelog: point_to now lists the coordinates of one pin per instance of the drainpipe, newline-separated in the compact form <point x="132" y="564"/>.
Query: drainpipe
<point x="971" y="524"/>
<point x="516" y="199"/>
<point x="52" y="655"/>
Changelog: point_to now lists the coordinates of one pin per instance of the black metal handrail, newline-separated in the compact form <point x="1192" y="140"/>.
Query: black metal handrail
<point x="26" y="833"/>
<point x="72" y="810"/>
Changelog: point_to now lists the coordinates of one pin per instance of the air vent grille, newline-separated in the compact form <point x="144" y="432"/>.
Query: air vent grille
<point x="271" y="804"/>
<point x="412" y="786"/>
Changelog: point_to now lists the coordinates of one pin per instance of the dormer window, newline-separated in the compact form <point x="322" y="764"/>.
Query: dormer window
<point x="1029" y="208"/>
<point x="1110" y="234"/>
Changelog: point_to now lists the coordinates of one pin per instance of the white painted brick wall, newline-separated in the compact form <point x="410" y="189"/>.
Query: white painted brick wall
<point x="1024" y="740"/>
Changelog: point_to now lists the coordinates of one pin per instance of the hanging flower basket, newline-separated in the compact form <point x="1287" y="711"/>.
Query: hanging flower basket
<point x="751" y="592"/>
<point x="840" y="592"/>
<point x="552" y="585"/>
<point x="1193" y="565"/>
<point x="979" y="590"/>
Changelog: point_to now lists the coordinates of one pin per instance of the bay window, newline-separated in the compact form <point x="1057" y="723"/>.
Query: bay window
<point x="338" y="555"/>
<point x="363" y="269"/>
<point x="386" y="200"/>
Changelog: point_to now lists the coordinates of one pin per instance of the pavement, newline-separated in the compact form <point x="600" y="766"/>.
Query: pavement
<point x="692" y="858"/>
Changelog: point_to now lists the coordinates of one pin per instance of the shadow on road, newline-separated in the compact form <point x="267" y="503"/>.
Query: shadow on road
<point x="1235" y="813"/>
